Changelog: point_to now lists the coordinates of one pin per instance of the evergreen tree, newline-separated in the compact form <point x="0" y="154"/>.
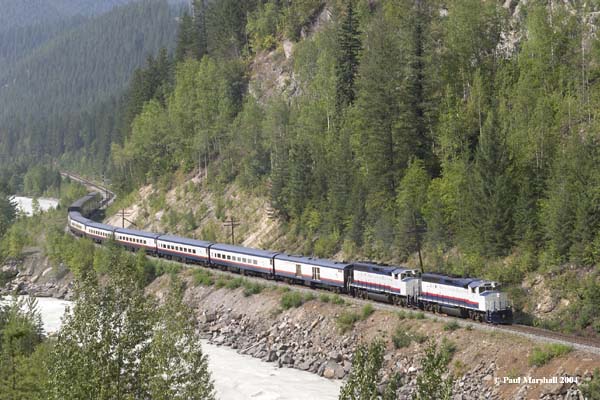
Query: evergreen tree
<point x="366" y="374"/>
<point x="347" y="59"/>
<point x="431" y="384"/>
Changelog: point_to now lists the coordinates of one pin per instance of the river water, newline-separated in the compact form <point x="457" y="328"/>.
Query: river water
<point x="25" y="204"/>
<point x="237" y="377"/>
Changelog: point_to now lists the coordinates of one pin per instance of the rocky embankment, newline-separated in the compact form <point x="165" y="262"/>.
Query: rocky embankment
<point x="34" y="275"/>
<point x="309" y="338"/>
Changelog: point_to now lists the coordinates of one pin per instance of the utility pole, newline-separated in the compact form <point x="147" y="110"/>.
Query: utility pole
<point x="232" y="223"/>
<point x="123" y="219"/>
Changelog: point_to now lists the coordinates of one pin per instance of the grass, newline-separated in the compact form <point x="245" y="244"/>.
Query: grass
<point x="451" y="326"/>
<point x="447" y="349"/>
<point x="542" y="355"/>
<point x="324" y="298"/>
<point x="203" y="278"/>
<point x="403" y="337"/>
<point x="346" y="320"/>
<point x="366" y="311"/>
<point x="291" y="300"/>
<point x="337" y="299"/>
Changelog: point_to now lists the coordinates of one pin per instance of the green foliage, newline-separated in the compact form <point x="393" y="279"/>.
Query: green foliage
<point x="203" y="277"/>
<point x="337" y="299"/>
<point x="155" y="351"/>
<point x="542" y="355"/>
<point x="366" y="373"/>
<point x="346" y="320"/>
<point x="262" y="25"/>
<point x="403" y="337"/>
<point x="451" y="326"/>
<point x="366" y="311"/>
<point x="23" y="373"/>
<point x="430" y="382"/>
<point x="591" y="389"/>
<point x="82" y="61"/>
<point x="291" y="299"/>
<point x="324" y="298"/>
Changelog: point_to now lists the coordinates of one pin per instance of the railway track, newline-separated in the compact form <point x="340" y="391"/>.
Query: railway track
<point x="531" y="332"/>
<point x="108" y="196"/>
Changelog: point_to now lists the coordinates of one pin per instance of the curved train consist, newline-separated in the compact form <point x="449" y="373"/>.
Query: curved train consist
<point x="472" y="298"/>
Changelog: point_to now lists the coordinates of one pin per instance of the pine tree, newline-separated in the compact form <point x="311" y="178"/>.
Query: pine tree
<point x="347" y="61"/>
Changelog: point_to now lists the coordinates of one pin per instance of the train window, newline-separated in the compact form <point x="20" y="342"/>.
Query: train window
<point x="395" y="276"/>
<point x="298" y="270"/>
<point x="229" y="257"/>
<point x="473" y="290"/>
<point x="316" y="273"/>
<point x="244" y="260"/>
<point x="194" y="251"/>
<point x="255" y="262"/>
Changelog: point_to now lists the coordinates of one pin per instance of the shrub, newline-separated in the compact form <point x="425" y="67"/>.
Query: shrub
<point x="234" y="283"/>
<point x="419" y="315"/>
<point x="366" y="312"/>
<point x="309" y="296"/>
<point x="221" y="282"/>
<point x="346" y="320"/>
<point x="447" y="350"/>
<point x="401" y="314"/>
<point x="542" y="355"/>
<point x="337" y="299"/>
<point x="291" y="300"/>
<point x="401" y="338"/>
<point x="419" y="337"/>
<point x="451" y="326"/>
<point x="203" y="278"/>
<point x="251" y="288"/>
<point x="324" y="298"/>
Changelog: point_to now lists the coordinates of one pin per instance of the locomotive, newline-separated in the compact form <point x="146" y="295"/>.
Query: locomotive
<point x="473" y="298"/>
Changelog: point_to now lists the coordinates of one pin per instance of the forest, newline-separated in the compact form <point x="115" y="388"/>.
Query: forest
<point x="62" y="82"/>
<point x="415" y="126"/>
<point x="457" y="136"/>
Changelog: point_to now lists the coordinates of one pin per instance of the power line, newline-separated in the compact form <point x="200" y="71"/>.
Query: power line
<point x="232" y="223"/>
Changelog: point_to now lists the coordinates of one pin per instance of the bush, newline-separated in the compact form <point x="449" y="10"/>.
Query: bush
<point x="324" y="298"/>
<point x="203" y="278"/>
<point x="234" y="283"/>
<point x="337" y="299"/>
<point x="366" y="312"/>
<point x="291" y="300"/>
<point x="309" y="297"/>
<point x="221" y="282"/>
<point x="447" y="350"/>
<point x="346" y="320"/>
<point x="419" y="315"/>
<point x="542" y="355"/>
<point x="251" y="288"/>
<point x="402" y="315"/>
<point x="401" y="338"/>
<point x="451" y="326"/>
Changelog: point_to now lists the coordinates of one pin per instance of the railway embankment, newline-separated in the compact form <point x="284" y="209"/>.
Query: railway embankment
<point x="319" y="333"/>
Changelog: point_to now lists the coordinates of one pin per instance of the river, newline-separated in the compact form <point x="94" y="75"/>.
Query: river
<point x="25" y="204"/>
<point x="237" y="377"/>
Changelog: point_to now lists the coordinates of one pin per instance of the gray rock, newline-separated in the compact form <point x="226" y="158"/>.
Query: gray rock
<point x="335" y="356"/>
<point x="333" y="370"/>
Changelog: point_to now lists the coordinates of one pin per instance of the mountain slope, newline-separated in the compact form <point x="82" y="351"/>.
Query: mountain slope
<point x="48" y="94"/>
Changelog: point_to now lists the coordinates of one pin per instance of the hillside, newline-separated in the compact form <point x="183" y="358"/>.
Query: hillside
<point x="81" y="63"/>
<point x="463" y="135"/>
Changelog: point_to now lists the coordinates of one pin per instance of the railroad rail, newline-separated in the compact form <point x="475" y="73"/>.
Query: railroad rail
<point x="108" y="196"/>
<point x="535" y="333"/>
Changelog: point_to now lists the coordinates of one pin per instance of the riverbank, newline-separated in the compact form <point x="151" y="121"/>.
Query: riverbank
<point x="316" y="336"/>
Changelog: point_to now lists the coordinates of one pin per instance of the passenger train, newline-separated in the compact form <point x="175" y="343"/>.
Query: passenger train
<point x="473" y="298"/>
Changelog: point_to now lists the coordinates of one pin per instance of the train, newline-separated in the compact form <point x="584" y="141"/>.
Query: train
<point x="477" y="299"/>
